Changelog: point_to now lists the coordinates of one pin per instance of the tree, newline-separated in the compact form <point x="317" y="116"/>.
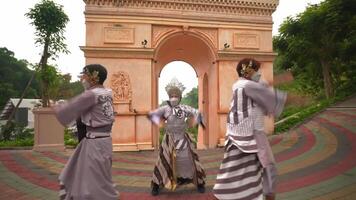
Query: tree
<point x="316" y="44"/>
<point x="50" y="21"/>
<point x="191" y="98"/>
<point x="64" y="89"/>
<point x="13" y="78"/>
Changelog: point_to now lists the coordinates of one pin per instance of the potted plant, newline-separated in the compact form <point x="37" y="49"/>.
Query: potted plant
<point x="50" y="21"/>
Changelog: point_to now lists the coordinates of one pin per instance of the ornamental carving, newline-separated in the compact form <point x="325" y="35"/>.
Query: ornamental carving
<point x="121" y="86"/>
<point x="160" y="32"/>
<point x="243" y="7"/>
<point x="211" y="34"/>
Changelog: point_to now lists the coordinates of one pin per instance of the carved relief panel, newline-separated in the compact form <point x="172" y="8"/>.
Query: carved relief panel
<point x="121" y="86"/>
<point x="119" y="35"/>
<point x="246" y="41"/>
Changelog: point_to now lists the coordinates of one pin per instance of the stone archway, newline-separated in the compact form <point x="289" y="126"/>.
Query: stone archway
<point x="136" y="38"/>
<point x="190" y="47"/>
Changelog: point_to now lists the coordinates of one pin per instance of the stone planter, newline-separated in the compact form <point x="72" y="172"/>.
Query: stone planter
<point x="49" y="133"/>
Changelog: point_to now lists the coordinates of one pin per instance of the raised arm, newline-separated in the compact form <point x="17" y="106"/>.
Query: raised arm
<point x="269" y="99"/>
<point x="68" y="112"/>
<point x="156" y="115"/>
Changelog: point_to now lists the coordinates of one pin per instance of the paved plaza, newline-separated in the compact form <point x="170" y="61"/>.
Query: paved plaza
<point x="315" y="160"/>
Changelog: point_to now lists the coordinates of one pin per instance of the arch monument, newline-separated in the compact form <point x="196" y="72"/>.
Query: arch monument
<point x="135" y="39"/>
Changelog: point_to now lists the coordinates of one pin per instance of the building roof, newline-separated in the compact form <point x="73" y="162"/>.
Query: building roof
<point x="12" y="102"/>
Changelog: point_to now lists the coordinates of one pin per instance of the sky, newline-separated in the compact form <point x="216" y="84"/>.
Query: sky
<point x="17" y="35"/>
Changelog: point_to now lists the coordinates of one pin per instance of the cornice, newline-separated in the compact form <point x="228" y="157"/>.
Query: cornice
<point x="114" y="52"/>
<point x="228" y="9"/>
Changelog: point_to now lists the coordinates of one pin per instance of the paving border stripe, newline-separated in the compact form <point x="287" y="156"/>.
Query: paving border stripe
<point x="275" y="140"/>
<point x="344" y="114"/>
<point x="26" y="174"/>
<point x="43" y="161"/>
<point x="43" y="171"/>
<point x="319" y="152"/>
<point x="55" y="157"/>
<point x="323" y="166"/>
<point x="341" y="123"/>
<point x="15" y="181"/>
<point x="347" y="163"/>
<point x="307" y="141"/>
<point x="325" y="187"/>
<point x="8" y="192"/>
<point x="289" y="140"/>
<point x="341" y="193"/>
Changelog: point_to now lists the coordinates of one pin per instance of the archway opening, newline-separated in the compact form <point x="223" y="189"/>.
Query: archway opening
<point x="185" y="74"/>
<point x="191" y="48"/>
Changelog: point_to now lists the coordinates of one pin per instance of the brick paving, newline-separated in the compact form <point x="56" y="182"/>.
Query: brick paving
<point x="315" y="161"/>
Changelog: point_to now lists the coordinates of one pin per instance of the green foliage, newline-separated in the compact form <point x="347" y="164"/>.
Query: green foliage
<point x="15" y="74"/>
<point x="60" y="86"/>
<point x="193" y="131"/>
<point x="302" y="115"/>
<point x="26" y="142"/>
<point x="50" y="21"/>
<point x="191" y="98"/>
<point x="15" y="132"/>
<point x="306" y="112"/>
<point x="22" y="136"/>
<point x="161" y="134"/>
<point x="318" y="46"/>
<point x="13" y="78"/>
<point x="76" y="88"/>
<point x="69" y="138"/>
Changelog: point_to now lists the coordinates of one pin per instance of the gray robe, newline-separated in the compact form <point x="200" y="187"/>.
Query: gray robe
<point x="87" y="174"/>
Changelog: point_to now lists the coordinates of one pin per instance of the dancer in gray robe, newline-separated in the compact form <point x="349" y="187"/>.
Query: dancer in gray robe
<point x="87" y="174"/>
<point x="177" y="163"/>
<point x="248" y="169"/>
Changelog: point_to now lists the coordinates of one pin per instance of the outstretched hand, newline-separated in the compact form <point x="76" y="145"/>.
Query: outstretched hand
<point x="154" y="118"/>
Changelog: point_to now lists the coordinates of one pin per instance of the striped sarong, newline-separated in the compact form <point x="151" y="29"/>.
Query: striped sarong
<point x="239" y="177"/>
<point x="164" y="173"/>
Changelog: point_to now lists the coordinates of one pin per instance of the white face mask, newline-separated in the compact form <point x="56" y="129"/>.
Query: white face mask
<point x="256" y="76"/>
<point x="85" y="84"/>
<point x="174" y="101"/>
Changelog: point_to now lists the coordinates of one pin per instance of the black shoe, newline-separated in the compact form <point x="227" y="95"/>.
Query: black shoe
<point x="201" y="188"/>
<point x="180" y="181"/>
<point x="183" y="181"/>
<point x="155" y="189"/>
<point x="188" y="180"/>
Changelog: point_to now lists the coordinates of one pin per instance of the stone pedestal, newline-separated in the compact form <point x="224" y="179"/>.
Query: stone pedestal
<point x="126" y="131"/>
<point x="49" y="133"/>
<point x="124" y="134"/>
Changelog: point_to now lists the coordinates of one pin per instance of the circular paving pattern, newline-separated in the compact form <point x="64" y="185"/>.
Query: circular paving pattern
<point x="315" y="161"/>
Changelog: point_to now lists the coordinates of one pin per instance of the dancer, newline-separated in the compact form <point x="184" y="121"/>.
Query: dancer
<point x="248" y="169"/>
<point x="87" y="174"/>
<point x="177" y="163"/>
